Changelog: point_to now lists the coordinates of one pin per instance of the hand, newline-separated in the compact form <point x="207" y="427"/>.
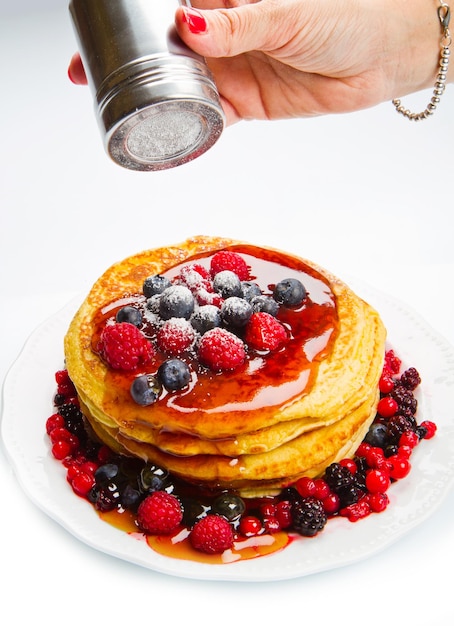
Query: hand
<point x="298" y="58"/>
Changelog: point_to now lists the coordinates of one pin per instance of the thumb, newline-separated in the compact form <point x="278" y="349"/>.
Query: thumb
<point x="227" y="32"/>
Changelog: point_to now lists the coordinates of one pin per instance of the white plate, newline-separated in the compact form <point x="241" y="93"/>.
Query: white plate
<point x="29" y="388"/>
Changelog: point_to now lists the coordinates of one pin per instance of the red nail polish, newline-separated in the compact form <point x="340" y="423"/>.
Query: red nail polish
<point x="195" y="21"/>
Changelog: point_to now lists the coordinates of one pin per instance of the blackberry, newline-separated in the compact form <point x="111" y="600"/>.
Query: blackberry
<point x="74" y="420"/>
<point x="341" y="481"/>
<point x="399" y="424"/>
<point x="410" y="379"/>
<point x="405" y="399"/>
<point x="308" y="516"/>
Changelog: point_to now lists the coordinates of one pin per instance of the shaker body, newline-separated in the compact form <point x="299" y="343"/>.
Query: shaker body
<point x="155" y="100"/>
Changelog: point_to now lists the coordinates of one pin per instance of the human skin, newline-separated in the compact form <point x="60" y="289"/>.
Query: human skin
<point x="276" y="59"/>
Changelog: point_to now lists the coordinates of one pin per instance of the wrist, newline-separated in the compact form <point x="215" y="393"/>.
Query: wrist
<point x="417" y="64"/>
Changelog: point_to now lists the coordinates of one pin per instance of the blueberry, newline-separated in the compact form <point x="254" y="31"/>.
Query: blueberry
<point x="193" y="511"/>
<point x="227" y="284"/>
<point x="129" y="314"/>
<point x="130" y="498"/>
<point x="155" y="284"/>
<point x="106" y="473"/>
<point x="289" y="292"/>
<point x="205" y="318"/>
<point x="377" y="435"/>
<point x="153" y="478"/>
<point x="250" y="290"/>
<point x="145" y="389"/>
<point x="176" y="301"/>
<point x="174" y="374"/>
<point x="236" y="312"/>
<point x="265" y="304"/>
<point x="229" y="505"/>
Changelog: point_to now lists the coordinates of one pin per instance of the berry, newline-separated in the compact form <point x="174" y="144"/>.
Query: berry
<point x="398" y="425"/>
<point x="407" y="403"/>
<point x="377" y="435"/>
<point x="176" y="301"/>
<point x="378" y="501"/>
<point x="392" y="363"/>
<point x="410" y="379"/>
<point x="227" y="284"/>
<point x="154" y="478"/>
<point x="82" y="484"/>
<point x="409" y="438"/>
<point x="265" y="332"/>
<point x="386" y="383"/>
<point x="284" y="513"/>
<point x="229" y="506"/>
<point x="306" y="487"/>
<point x="356" y="511"/>
<point x="129" y="314"/>
<point x="205" y="318"/>
<point x="331" y="504"/>
<point x="106" y="473"/>
<point x="145" y="389"/>
<point x="175" y="336"/>
<point x="400" y="467"/>
<point x="377" y="481"/>
<point x="308" y="516"/>
<point x="322" y="489"/>
<point x="250" y="290"/>
<point x="221" y="350"/>
<point x="349" y="464"/>
<point x="61" y="449"/>
<point x="124" y="347"/>
<point x="154" y="285"/>
<point x="54" y="421"/>
<point x="341" y="481"/>
<point x="250" y="526"/>
<point x="159" y="513"/>
<point x="229" y="260"/>
<point x="387" y="407"/>
<point x="290" y="292"/>
<point x="212" y="534"/>
<point x="236" y="312"/>
<point x="174" y="374"/>
<point x="264" y="304"/>
<point x="430" y="429"/>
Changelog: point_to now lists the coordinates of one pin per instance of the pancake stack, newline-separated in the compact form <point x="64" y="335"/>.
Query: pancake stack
<point x="280" y="415"/>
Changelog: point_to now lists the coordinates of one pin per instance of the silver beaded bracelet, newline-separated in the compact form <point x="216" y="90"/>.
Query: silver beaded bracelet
<point x="444" y="15"/>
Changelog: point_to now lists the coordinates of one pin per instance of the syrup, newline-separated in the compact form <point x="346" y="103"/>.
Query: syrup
<point x="178" y="546"/>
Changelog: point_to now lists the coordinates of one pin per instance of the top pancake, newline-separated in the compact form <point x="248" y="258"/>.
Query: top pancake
<point x="341" y="381"/>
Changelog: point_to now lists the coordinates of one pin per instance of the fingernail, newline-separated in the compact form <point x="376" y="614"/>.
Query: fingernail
<point x="70" y="76"/>
<point x="195" y="21"/>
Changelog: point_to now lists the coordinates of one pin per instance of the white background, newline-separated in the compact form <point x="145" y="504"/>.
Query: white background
<point x="367" y="195"/>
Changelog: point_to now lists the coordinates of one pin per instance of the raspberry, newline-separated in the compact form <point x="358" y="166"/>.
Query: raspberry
<point x="221" y="350"/>
<point x="264" y="332"/>
<point x="212" y="534"/>
<point x="228" y="260"/>
<point x="175" y="336"/>
<point x="160" y="513"/>
<point x="124" y="347"/>
<point x="392" y="363"/>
